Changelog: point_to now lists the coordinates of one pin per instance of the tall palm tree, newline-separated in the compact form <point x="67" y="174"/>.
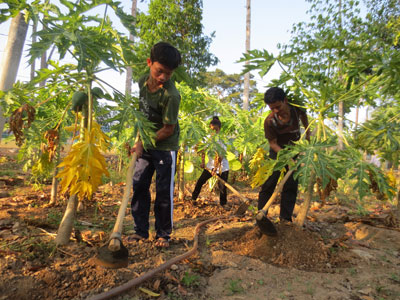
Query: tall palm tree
<point x="12" y="57"/>
<point x="128" y="82"/>
<point x="246" y="90"/>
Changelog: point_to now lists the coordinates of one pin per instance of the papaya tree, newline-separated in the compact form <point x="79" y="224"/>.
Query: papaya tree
<point x="95" y="46"/>
<point x="229" y="88"/>
<point x="198" y="107"/>
<point x="381" y="134"/>
<point x="323" y="66"/>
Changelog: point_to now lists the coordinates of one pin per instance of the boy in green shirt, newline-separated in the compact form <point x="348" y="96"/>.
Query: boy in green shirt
<point x="159" y="100"/>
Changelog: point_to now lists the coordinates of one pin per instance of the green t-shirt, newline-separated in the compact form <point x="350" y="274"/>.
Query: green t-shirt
<point x="161" y="107"/>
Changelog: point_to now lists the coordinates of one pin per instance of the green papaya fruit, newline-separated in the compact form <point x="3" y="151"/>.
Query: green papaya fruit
<point x="97" y="92"/>
<point x="332" y="115"/>
<point x="78" y="100"/>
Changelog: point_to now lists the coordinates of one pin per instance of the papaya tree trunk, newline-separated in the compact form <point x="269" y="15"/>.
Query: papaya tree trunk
<point x="301" y="217"/>
<point x="34" y="39"/>
<point x="398" y="204"/>
<point x="43" y="65"/>
<point x="54" y="184"/>
<point x="120" y="163"/>
<point x="67" y="222"/>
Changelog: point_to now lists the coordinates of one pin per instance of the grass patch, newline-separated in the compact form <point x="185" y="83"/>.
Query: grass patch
<point x="310" y="290"/>
<point x="54" y="218"/>
<point x="32" y="248"/>
<point x="190" y="280"/>
<point x="235" y="286"/>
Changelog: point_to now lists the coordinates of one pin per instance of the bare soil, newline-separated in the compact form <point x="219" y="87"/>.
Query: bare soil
<point x="337" y="255"/>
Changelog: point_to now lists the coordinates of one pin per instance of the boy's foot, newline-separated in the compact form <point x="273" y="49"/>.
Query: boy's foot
<point x="285" y="222"/>
<point x="162" y="243"/>
<point x="225" y="207"/>
<point x="135" y="238"/>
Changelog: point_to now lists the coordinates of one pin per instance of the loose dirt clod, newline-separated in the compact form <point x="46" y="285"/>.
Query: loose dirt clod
<point x="291" y="248"/>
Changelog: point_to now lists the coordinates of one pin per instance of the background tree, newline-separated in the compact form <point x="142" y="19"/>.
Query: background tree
<point x="246" y="91"/>
<point x="381" y="134"/>
<point x="179" y="23"/>
<point x="94" y="45"/>
<point x="229" y="88"/>
<point x="382" y="31"/>
<point x="329" y="60"/>
<point x="128" y="81"/>
<point x="12" y="56"/>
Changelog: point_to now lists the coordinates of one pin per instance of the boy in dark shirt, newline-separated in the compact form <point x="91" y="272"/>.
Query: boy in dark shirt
<point x="159" y="101"/>
<point x="281" y="127"/>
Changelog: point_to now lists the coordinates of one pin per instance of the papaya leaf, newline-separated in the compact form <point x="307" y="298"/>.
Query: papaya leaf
<point x="84" y="165"/>
<point x="235" y="165"/>
<point x="188" y="167"/>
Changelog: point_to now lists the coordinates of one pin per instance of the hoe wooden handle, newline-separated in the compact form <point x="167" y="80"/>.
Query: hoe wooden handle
<point x="278" y="189"/>
<point x="115" y="239"/>
<point x="115" y="242"/>
<point x="232" y="189"/>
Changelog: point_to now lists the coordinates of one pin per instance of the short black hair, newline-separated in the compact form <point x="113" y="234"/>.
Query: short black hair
<point x="216" y="122"/>
<point x="274" y="94"/>
<point x="165" y="54"/>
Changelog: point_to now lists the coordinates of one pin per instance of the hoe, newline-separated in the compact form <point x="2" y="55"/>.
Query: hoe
<point x="114" y="254"/>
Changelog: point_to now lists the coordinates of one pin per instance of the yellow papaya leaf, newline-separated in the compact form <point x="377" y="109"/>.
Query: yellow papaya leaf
<point x="70" y="128"/>
<point x="258" y="158"/>
<point x="84" y="165"/>
<point x="75" y="188"/>
<point x="69" y="176"/>
<point x="211" y="182"/>
<point x="261" y="175"/>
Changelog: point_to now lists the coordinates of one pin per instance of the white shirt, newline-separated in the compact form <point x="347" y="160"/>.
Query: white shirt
<point x="224" y="162"/>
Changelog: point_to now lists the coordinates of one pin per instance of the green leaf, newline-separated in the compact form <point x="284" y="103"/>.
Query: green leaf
<point x="188" y="167"/>
<point x="235" y="165"/>
<point x="230" y="156"/>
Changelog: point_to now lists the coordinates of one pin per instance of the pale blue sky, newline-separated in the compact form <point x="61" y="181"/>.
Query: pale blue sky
<point x="271" y="22"/>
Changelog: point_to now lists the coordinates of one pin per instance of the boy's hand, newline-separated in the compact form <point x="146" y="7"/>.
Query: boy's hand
<point x="138" y="149"/>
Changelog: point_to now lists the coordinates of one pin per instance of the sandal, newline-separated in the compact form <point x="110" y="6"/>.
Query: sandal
<point x="135" y="238"/>
<point x="162" y="243"/>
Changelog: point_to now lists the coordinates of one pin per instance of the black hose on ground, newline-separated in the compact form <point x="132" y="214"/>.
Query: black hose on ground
<point x="130" y="284"/>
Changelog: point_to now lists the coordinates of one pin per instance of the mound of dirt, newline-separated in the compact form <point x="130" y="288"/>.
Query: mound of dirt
<point x="292" y="248"/>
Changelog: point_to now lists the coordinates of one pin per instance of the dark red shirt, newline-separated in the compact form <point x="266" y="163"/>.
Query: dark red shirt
<point x="285" y="134"/>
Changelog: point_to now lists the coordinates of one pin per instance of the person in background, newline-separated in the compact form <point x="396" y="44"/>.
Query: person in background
<point x="281" y="128"/>
<point x="216" y="166"/>
<point x="375" y="159"/>
<point x="159" y="101"/>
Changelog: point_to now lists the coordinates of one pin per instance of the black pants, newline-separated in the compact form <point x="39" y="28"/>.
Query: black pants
<point x="203" y="179"/>
<point x="164" y="164"/>
<point x="288" y="195"/>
